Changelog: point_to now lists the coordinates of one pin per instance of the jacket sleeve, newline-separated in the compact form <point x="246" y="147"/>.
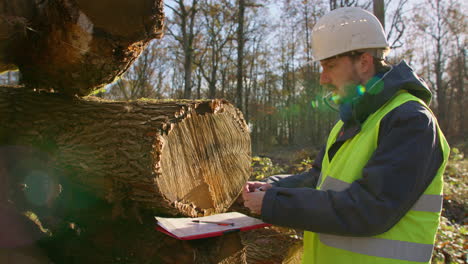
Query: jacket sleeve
<point x="405" y="162"/>
<point x="305" y="179"/>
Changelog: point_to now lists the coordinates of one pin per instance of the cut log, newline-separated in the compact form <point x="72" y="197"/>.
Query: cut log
<point x="75" y="46"/>
<point x="274" y="245"/>
<point x="177" y="157"/>
<point x="92" y="237"/>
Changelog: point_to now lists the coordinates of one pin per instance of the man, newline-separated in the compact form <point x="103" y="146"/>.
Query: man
<point x="374" y="194"/>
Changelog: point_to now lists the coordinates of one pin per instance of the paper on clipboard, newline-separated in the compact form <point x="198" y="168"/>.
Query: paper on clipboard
<point x="186" y="229"/>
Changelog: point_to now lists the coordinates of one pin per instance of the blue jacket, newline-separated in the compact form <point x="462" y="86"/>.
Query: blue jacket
<point x="407" y="139"/>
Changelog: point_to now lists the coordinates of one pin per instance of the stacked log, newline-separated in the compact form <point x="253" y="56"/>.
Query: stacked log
<point x="177" y="157"/>
<point x="273" y="245"/>
<point x="75" y="46"/>
<point x="146" y="157"/>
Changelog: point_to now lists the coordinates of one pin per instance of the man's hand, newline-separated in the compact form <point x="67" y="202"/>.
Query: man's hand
<point x="252" y="186"/>
<point x="253" y="193"/>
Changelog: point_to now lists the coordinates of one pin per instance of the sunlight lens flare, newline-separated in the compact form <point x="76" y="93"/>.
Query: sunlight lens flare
<point x="39" y="186"/>
<point x="361" y="90"/>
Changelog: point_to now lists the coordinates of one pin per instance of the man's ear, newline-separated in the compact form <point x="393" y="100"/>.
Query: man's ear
<point x="366" y="65"/>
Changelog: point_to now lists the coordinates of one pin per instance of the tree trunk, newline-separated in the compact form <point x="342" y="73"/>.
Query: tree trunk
<point x="461" y="73"/>
<point x="379" y="11"/>
<point x="178" y="157"/>
<point x="240" y="53"/>
<point x="188" y="73"/>
<point x="75" y="46"/>
<point x="186" y="16"/>
<point x="213" y="73"/>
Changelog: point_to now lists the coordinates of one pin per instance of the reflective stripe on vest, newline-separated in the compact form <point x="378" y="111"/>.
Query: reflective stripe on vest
<point x="429" y="203"/>
<point x="380" y="247"/>
<point x="425" y="203"/>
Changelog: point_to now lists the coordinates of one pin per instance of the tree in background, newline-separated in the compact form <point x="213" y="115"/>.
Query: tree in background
<point x="280" y="93"/>
<point x="241" y="38"/>
<point x="397" y="26"/>
<point x="183" y="31"/>
<point x="437" y="26"/>
<point x="218" y="30"/>
<point x="240" y="51"/>
<point x="456" y="21"/>
<point x="146" y="78"/>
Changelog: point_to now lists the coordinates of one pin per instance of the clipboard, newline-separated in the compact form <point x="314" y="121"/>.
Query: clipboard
<point x="187" y="229"/>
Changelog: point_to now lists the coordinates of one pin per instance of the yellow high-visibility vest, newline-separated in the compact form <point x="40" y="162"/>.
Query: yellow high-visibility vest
<point x="412" y="239"/>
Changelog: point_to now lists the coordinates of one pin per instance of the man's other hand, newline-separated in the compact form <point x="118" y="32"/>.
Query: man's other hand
<point x="252" y="194"/>
<point x="256" y="185"/>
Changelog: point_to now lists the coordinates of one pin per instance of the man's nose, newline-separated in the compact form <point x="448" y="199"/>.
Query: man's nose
<point x="324" y="78"/>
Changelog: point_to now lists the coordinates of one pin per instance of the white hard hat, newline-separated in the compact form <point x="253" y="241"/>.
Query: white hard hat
<point x="346" y="29"/>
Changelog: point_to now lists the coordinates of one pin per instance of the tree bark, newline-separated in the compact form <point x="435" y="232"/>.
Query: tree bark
<point x="75" y="46"/>
<point x="240" y="53"/>
<point x="177" y="157"/>
<point x="379" y="11"/>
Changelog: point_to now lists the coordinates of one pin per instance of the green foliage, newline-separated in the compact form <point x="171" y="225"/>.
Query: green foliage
<point x="450" y="246"/>
<point x="303" y="165"/>
<point x="263" y="167"/>
<point x="451" y="241"/>
<point x="455" y="178"/>
<point x="456" y="154"/>
<point x="302" y="160"/>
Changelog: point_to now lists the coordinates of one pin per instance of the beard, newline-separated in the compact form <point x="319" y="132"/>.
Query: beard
<point x="350" y="90"/>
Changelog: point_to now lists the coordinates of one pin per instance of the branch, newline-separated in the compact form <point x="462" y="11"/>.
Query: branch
<point x="171" y="33"/>
<point x="173" y="9"/>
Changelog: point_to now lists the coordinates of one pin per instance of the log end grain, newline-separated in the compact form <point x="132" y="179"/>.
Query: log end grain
<point x="205" y="159"/>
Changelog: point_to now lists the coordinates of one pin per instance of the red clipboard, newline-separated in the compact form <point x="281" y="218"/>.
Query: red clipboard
<point x="205" y="227"/>
<point x="212" y="234"/>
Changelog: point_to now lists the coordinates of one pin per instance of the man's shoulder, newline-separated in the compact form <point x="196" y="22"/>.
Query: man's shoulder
<point x="413" y="108"/>
<point x="412" y="113"/>
<point x="410" y="109"/>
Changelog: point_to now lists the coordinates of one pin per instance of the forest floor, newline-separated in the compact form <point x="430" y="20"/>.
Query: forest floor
<point x="452" y="238"/>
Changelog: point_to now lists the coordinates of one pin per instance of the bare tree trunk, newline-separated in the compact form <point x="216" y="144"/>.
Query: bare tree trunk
<point x="439" y="70"/>
<point x="199" y="81"/>
<point x="188" y="73"/>
<point x="379" y="11"/>
<point x="219" y="25"/>
<point x="292" y="94"/>
<point x="188" y="38"/>
<point x="186" y="19"/>
<point x="461" y="84"/>
<point x="460" y="77"/>
<point x="179" y="157"/>
<point x="75" y="46"/>
<point x="307" y="120"/>
<point x="240" y="53"/>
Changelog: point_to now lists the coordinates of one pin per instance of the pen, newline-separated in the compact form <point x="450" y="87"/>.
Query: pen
<point x="216" y="223"/>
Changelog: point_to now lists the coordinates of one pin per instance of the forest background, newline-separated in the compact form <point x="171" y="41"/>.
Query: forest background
<point x="257" y="54"/>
